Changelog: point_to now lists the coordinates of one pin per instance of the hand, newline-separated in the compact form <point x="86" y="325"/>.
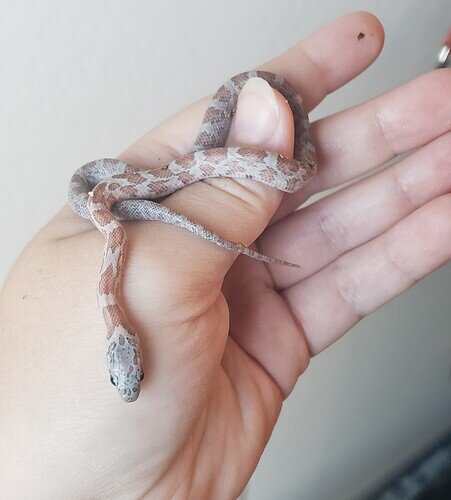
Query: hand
<point x="224" y="338"/>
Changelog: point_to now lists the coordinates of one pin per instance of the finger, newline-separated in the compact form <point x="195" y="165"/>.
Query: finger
<point x="321" y="232"/>
<point x="316" y="66"/>
<point x="331" y="56"/>
<point x="357" y="140"/>
<point x="367" y="277"/>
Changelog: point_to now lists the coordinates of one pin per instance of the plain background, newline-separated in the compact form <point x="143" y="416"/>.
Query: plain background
<point x="82" y="80"/>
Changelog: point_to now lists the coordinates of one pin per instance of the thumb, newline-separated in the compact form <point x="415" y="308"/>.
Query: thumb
<point x="239" y="209"/>
<point x="236" y="209"/>
<point x="263" y="119"/>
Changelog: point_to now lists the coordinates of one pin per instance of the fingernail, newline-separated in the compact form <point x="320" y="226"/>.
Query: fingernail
<point x="257" y="113"/>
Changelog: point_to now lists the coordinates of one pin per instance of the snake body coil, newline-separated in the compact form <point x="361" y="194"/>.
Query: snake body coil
<point x="108" y="191"/>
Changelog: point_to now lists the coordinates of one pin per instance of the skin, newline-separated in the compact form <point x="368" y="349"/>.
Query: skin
<point x="224" y="339"/>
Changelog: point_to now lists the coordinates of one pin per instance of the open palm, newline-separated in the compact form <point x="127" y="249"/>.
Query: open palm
<point x="224" y="338"/>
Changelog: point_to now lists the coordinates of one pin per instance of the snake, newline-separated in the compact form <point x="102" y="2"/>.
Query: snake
<point x="109" y="191"/>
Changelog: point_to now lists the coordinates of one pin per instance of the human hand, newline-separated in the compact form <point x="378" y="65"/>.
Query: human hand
<point x="224" y="340"/>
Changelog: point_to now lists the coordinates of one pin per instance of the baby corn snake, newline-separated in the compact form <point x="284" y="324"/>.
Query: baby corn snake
<point x="108" y="191"/>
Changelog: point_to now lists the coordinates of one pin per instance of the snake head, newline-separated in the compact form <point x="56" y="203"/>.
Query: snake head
<point x="124" y="364"/>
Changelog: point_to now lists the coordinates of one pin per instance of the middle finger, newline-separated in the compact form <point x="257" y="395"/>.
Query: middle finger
<point x="357" y="140"/>
<point x="321" y="232"/>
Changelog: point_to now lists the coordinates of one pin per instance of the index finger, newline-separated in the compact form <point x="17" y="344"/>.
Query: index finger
<point x="316" y="66"/>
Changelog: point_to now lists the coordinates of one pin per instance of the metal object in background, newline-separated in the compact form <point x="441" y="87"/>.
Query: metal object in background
<point x="443" y="57"/>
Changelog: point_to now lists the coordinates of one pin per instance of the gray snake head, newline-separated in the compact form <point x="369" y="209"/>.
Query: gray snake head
<point x="124" y="364"/>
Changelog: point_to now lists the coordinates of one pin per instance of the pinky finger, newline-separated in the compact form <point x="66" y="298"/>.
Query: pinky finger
<point x="330" y="302"/>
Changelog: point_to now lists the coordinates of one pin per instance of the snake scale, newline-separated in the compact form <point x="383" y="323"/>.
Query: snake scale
<point x="109" y="191"/>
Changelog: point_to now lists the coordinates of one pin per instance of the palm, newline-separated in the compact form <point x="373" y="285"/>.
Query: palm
<point x="234" y="405"/>
<point x="225" y="340"/>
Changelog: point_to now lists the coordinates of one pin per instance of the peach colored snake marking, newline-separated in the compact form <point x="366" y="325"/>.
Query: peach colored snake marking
<point x="108" y="191"/>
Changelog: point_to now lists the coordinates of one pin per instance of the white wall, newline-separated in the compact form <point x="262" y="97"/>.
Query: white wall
<point x="81" y="80"/>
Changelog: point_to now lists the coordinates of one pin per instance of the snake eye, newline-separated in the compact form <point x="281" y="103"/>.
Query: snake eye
<point x="112" y="380"/>
<point x="142" y="376"/>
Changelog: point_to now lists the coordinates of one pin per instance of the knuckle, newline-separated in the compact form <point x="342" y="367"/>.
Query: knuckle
<point x="335" y="233"/>
<point x="347" y="286"/>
